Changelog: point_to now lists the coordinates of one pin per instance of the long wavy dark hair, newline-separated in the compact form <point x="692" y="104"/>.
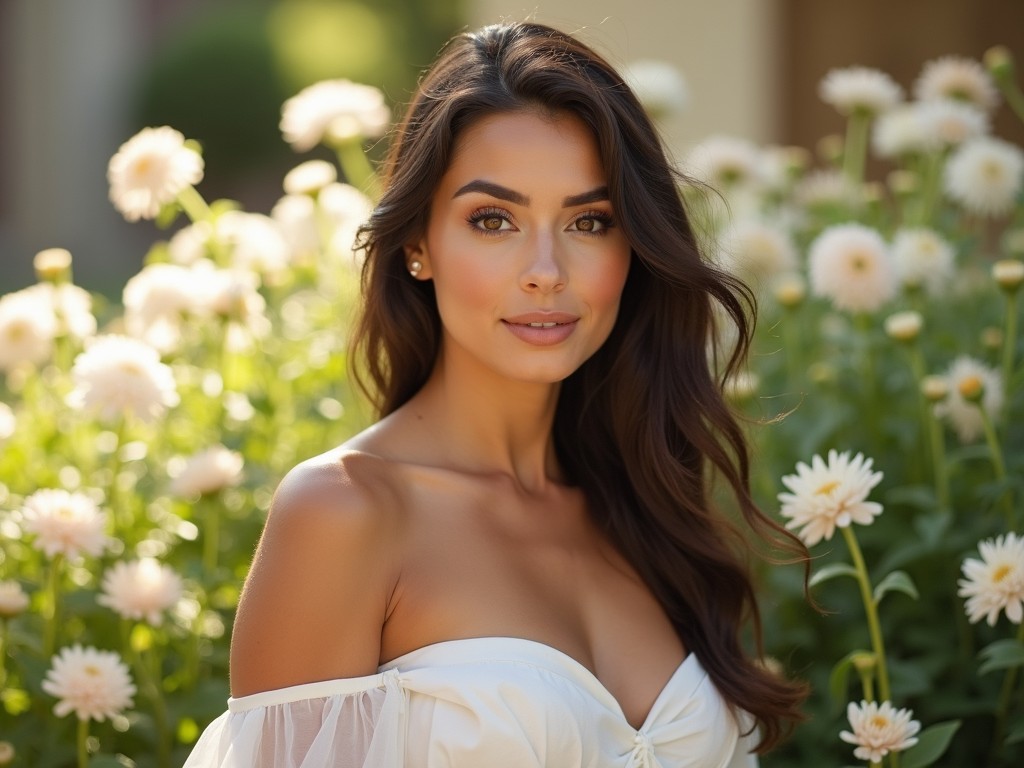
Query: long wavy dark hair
<point x="642" y="424"/>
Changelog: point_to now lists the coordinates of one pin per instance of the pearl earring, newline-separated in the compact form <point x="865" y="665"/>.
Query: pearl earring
<point x="415" y="267"/>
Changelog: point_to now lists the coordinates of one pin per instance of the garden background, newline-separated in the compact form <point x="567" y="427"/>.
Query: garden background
<point x="78" y="79"/>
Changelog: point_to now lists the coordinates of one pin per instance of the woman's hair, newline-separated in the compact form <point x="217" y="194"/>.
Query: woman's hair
<point x="641" y="424"/>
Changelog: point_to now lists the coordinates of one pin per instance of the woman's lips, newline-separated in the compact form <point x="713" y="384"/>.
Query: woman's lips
<point x="542" y="329"/>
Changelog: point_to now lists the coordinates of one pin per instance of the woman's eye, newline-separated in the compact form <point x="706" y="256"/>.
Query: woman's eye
<point x="592" y="223"/>
<point x="490" y="222"/>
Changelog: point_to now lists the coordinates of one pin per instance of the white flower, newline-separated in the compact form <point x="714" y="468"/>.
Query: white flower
<point x="950" y="123"/>
<point x="13" y="599"/>
<point x="63" y="523"/>
<point x="789" y="289"/>
<point x="149" y="170"/>
<point x="93" y="684"/>
<point x="659" y="86"/>
<point x="985" y="175"/>
<point x="996" y="582"/>
<point x="254" y="241"/>
<point x="27" y="330"/>
<point x="757" y="250"/>
<point x="826" y="188"/>
<point x="965" y="375"/>
<point x="117" y="375"/>
<point x="71" y="306"/>
<point x="142" y="589"/>
<point x="190" y="244"/>
<point x="334" y="109"/>
<point x="827" y="495"/>
<point x="296" y="217"/>
<point x="879" y="730"/>
<point x="232" y="294"/>
<point x="8" y="422"/>
<point x="861" y="90"/>
<point x="954" y="77"/>
<point x="309" y="177"/>
<point x="904" y="326"/>
<point x="724" y="161"/>
<point x="900" y="131"/>
<point x="851" y="265"/>
<point x="208" y="471"/>
<point x="156" y="301"/>
<point x="923" y="259"/>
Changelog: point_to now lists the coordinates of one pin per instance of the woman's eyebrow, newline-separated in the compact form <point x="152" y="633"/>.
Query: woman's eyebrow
<point x="518" y="198"/>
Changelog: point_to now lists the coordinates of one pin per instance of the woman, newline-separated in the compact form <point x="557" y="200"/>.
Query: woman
<point x="519" y="564"/>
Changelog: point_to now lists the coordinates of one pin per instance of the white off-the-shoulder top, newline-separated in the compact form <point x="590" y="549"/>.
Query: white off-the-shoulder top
<point x="493" y="702"/>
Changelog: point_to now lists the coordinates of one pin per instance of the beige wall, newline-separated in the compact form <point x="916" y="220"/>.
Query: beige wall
<point x="725" y="49"/>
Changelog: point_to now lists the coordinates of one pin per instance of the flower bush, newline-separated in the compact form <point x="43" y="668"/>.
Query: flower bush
<point x="140" y="445"/>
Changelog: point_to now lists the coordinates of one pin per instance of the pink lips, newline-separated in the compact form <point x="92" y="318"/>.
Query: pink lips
<point x="536" y="327"/>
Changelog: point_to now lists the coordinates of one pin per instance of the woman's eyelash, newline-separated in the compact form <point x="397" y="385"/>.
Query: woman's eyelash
<point x="482" y="214"/>
<point x="603" y="218"/>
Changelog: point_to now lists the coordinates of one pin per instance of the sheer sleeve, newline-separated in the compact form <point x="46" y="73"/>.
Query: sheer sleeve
<point x="349" y="723"/>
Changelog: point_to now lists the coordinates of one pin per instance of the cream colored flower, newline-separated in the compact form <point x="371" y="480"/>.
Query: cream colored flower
<point x="967" y="375"/>
<point x="723" y="162"/>
<point x="995" y="583"/>
<point x="93" y="684"/>
<point x="904" y="326"/>
<point x="879" y="729"/>
<point x="950" y="123"/>
<point x="851" y="265"/>
<point x="156" y="302"/>
<point x="52" y="265"/>
<point x="8" y="421"/>
<point x="757" y="250"/>
<point x="190" y="245"/>
<point x="829" y="495"/>
<point x="957" y="78"/>
<point x="150" y="170"/>
<point x="924" y="259"/>
<point x="233" y="294"/>
<point x="860" y="90"/>
<point x="118" y="375"/>
<point x="337" y="110"/>
<point x="254" y="242"/>
<point x="900" y="131"/>
<point x="789" y="289"/>
<point x="68" y="524"/>
<point x="826" y="188"/>
<point x="142" y="589"/>
<point x="13" y="599"/>
<point x="309" y="177"/>
<point x="296" y="217"/>
<point x="1008" y="273"/>
<point x="27" y="330"/>
<point x="71" y="306"/>
<point x="659" y="86"/>
<point x="208" y="471"/>
<point x="7" y="753"/>
<point x="985" y="175"/>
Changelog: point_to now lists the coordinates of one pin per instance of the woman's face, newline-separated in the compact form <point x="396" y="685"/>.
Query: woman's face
<point x="523" y="246"/>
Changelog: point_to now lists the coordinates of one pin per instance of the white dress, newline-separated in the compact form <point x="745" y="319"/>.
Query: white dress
<point x="493" y="702"/>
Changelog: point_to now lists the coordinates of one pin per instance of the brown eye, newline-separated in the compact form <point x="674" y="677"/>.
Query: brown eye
<point x="492" y="223"/>
<point x="585" y="225"/>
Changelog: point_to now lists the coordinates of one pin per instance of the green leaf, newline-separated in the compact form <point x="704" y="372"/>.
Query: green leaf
<point x="897" y="581"/>
<point x="831" y="572"/>
<point x="1002" y="654"/>
<point x="1016" y="734"/>
<point x="931" y="745"/>
<point x="839" y="676"/>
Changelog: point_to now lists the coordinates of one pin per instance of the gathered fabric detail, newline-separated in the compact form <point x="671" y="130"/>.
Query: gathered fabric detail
<point x="642" y="755"/>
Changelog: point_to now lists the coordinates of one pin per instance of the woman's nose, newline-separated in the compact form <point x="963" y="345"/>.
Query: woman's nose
<point x="544" y="271"/>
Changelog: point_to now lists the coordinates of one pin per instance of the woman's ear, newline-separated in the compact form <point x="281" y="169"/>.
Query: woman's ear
<point x="417" y="260"/>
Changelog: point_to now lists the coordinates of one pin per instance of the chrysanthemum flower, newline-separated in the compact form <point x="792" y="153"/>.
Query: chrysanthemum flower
<point x="900" y="131"/>
<point x="923" y="259"/>
<point x="156" y="301"/>
<point x="829" y="495"/>
<point x="950" y="123"/>
<point x="93" y="684"/>
<point x="825" y="188"/>
<point x="190" y="244"/>
<point x="879" y="729"/>
<point x="254" y="242"/>
<point x="142" y="589"/>
<point x="723" y="162"/>
<point x="659" y="86"/>
<point x="71" y="306"/>
<point x="13" y="599"/>
<point x="118" y="375"/>
<point x="966" y="374"/>
<point x="337" y="110"/>
<point x="851" y="265"/>
<point x="69" y="524"/>
<point x="149" y="170"/>
<point x="232" y="294"/>
<point x="27" y="330"/>
<point x="8" y="422"/>
<point x="296" y="217"/>
<point x="985" y="175"/>
<point x="860" y="90"/>
<point x="208" y="471"/>
<point x="996" y="582"/>
<point x="757" y="250"/>
<point x="309" y="177"/>
<point x="958" y="78"/>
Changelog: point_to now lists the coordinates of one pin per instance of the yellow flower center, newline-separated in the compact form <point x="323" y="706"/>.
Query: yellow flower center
<point x="970" y="387"/>
<point x="142" y="165"/>
<point x="992" y="171"/>
<point x="878" y="721"/>
<point x="1001" y="573"/>
<point x="828" y="487"/>
<point x="858" y="262"/>
<point x="91" y="670"/>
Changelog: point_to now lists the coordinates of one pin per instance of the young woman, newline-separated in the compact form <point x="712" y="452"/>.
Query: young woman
<point x="520" y="564"/>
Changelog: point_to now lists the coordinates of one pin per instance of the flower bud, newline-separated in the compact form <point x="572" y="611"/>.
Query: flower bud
<point x="13" y="599"/>
<point x="830" y="148"/>
<point x="904" y="326"/>
<point x="309" y="177"/>
<point x="1009" y="273"/>
<point x="999" y="62"/>
<point x="935" y="388"/>
<point x="6" y="753"/>
<point x="992" y="337"/>
<point x="872" y="193"/>
<point x="53" y="265"/>
<point x="864" y="661"/>
<point x="797" y="160"/>
<point x="790" y="290"/>
<point x="903" y="183"/>
<point x="971" y="388"/>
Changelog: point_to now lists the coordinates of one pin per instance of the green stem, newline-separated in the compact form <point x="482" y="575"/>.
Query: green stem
<point x="83" y="743"/>
<point x="194" y="206"/>
<point x="1014" y="99"/>
<point x="938" y="444"/>
<point x="51" y="610"/>
<point x="3" y="652"/>
<point x="856" y="148"/>
<point x="930" y="187"/>
<point x="1003" y="708"/>
<point x="998" y="464"/>
<point x="356" y="167"/>
<point x="1009" y="341"/>
<point x="871" y="609"/>
<point x="122" y="522"/>
<point x="211" y="533"/>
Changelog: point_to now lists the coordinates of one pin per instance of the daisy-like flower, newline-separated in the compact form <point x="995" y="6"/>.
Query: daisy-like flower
<point x="779" y="167"/>
<point x="337" y="110"/>
<point x="967" y="375"/>
<point x="190" y="244"/>
<point x="13" y="599"/>
<point x="851" y="265"/>
<point x="295" y="216"/>
<point x="923" y="259"/>
<point x="904" y="326"/>
<point x="309" y="177"/>
<point x="233" y="294"/>
<point x="254" y="241"/>
<point x="757" y="250"/>
<point x="208" y="471"/>
<point x="879" y="729"/>
<point x="825" y="189"/>
<point x="900" y="131"/>
<point x="985" y="175"/>
<point x="68" y="524"/>
<point x="957" y="78"/>
<point x="118" y="375"/>
<point x="660" y="87"/>
<point x="860" y="90"/>
<point x="27" y="330"/>
<point x="156" y="301"/>
<point x="8" y="422"/>
<point x="93" y="684"/>
<point x="142" y="589"/>
<point x="996" y="582"/>
<point x="825" y="496"/>
<point x="71" y="306"/>
<point x="724" y="162"/>
<point x="949" y="123"/>
<point x="149" y="170"/>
